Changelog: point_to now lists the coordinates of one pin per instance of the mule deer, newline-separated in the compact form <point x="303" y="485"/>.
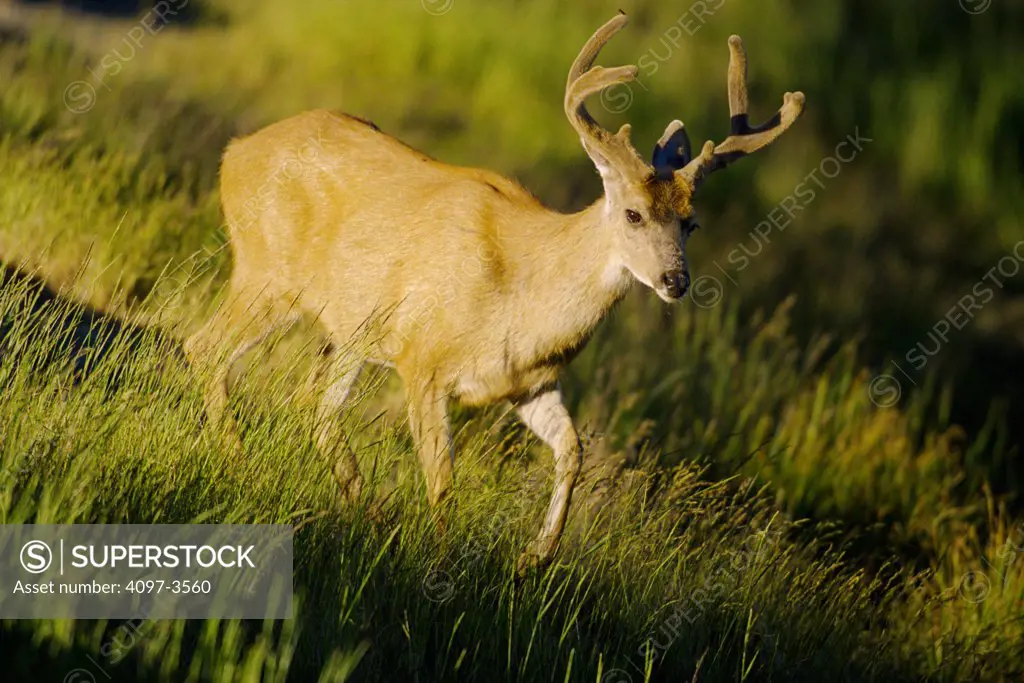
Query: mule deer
<point x="372" y="233"/>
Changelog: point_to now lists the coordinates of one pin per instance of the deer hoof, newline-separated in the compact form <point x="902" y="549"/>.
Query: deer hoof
<point x="532" y="559"/>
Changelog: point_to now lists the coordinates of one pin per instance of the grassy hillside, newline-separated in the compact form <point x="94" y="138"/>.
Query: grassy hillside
<point x="756" y="505"/>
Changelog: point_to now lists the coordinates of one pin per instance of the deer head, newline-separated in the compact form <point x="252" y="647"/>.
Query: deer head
<point x="648" y="207"/>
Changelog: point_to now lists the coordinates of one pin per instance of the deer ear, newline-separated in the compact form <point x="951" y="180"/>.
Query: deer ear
<point x="601" y="162"/>
<point x="617" y="163"/>
<point x="672" y="151"/>
<point x="613" y="179"/>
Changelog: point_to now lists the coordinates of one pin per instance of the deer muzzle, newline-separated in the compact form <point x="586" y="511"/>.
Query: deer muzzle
<point x="675" y="284"/>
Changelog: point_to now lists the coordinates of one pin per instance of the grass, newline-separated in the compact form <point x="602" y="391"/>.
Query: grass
<point x="747" y="513"/>
<point x="657" y="554"/>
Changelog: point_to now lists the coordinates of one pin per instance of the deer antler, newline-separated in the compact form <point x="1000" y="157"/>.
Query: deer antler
<point x="672" y="151"/>
<point x="585" y="80"/>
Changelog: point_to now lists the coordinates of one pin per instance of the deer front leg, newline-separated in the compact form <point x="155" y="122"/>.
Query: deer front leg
<point x="428" y="420"/>
<point x="546" y="415"/>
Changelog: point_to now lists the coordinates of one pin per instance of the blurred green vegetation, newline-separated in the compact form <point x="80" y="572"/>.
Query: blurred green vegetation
<point x="118" y="205"/>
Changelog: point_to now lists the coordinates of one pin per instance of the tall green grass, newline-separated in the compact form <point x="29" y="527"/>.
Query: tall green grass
<point x="664" y="572"/>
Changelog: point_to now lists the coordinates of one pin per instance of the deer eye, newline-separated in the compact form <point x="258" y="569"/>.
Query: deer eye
<point x="634" y="217"/>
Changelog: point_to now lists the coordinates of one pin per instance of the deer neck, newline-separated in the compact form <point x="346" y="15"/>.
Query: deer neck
<point x="583" y="278"/>
<point x="603" y="278"/>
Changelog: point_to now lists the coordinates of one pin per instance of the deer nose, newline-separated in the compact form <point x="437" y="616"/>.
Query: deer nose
<point x="676" y="284"/>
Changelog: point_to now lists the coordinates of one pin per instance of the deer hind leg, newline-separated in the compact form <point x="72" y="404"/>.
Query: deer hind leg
<point x="547" y="417"/>
<point x="343" y="373"/>
<point x="431" y="432"/>
<point x="242" y="322"/>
